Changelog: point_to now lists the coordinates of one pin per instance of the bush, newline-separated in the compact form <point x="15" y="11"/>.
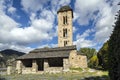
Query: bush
<point x="93" y="63"/>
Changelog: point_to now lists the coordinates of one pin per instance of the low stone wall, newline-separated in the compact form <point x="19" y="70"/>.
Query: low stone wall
<point x="77" y="61"/>
<point x="66" y="64"/>
<point x="19" y="66"/>
<point x="3" y="71"/>
<point x="48" y="69"/>
<point x="26" y="70"/>
<point x="11" y="70"/>
<point x="54" y="69"/>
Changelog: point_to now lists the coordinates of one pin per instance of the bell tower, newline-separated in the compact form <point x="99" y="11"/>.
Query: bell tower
<point x="65" y="29"/>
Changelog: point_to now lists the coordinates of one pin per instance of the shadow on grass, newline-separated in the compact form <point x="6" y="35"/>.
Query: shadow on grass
<point x="2" y="79"/>
<point x="104" y="77"/>
<point x="99" y="68"/>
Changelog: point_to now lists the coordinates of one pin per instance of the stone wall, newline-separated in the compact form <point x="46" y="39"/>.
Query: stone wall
<point x="34" y="66"/>
<point x="77" y="61"/>
<point x="21" y="69"/>
<point x="49" y="69"/>
<point x="11" y="70"/>
<point x="74" y="61"/>
<point x="19" y="66"/>
<point x="27" y="71"/>
<point x="67" y="26"/>
<point x="66" y="64"/>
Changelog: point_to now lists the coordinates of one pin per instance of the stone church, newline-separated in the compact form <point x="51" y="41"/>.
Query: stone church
<point x="58" y="59"/>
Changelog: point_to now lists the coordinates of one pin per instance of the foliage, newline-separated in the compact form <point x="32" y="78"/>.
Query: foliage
<point x="91" y="56"/>
<point x="89" y="52"/>
<point x="103" y="56"/>
<point x="93" y="62"/>
<point x="114" y="51"/>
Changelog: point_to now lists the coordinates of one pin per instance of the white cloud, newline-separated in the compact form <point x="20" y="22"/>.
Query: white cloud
<point x="64" y="2"/>
<point x="82" y="41"/>
<point x="104" y="24"/>
<point x="85" y="10"/>
<point x="42" y="25"/>
<point x="13" y="36"/>
<point x="11" y="10"/>
<point x="56" y="4"/>
<point x="15" y="47"/>
<point x="33" y="5"/>
<point x="101" y="12"/>
<point x="74" y="29"/>
<point x="48" y="45"/>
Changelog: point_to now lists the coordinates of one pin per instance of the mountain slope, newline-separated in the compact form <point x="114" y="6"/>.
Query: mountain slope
<point x="8" y="55"/>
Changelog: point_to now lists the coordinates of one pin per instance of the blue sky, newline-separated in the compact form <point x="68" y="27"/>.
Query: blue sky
<point x="29" y="24"/>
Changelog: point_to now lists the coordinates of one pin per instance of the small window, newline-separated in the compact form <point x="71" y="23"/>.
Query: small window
<point x="64" y="32"/>
<point x="65" y="43"/>
<point x="64" y="19"/>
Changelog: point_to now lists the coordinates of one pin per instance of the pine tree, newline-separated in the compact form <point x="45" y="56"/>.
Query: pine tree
<point x="114" y="51"/>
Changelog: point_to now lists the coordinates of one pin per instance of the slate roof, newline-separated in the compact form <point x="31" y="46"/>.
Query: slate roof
<point x="49" y="52"/>
<point x="65" y="8"/>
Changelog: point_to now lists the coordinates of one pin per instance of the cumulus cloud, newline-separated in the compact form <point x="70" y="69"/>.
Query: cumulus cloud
<point x="32" y="5"/>
<point x="41" y="28"/>
<point x="82" y="41"/>
<point x="101" y="12"/>
<point x="48" y="45"/>
<point x="74" y="29"/>
<point x="85" y="10"/>
<point x="11" y="10"/>
<point x="15" y="47"/>
<point x="43" y="25"/>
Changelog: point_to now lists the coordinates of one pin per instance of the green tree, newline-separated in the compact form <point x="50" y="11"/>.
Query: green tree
<point x="91" y="56"/>
<point x="93" y="62"/>
<point x="103" y="56"/>
<point x="89" y="52"/>
<point x="114" y="51"/>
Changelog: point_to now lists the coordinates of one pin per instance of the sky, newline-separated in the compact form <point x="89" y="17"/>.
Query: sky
<point x="29" y="24"/>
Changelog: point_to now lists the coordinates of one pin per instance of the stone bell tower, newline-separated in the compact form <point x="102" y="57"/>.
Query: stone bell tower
<point x="65" y="29"/>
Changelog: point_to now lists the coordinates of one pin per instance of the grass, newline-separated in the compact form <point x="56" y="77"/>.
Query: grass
<point x="83" y="75"/>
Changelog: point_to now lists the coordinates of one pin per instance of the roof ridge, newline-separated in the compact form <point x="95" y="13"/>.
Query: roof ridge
<point x="54" y="49"/>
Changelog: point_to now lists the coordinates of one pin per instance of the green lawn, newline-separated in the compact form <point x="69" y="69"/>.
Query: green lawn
<point x="73" y="75"/>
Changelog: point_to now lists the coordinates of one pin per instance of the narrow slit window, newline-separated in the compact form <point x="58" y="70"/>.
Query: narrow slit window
<point x="64" y="32"/>
<point x="64" y="19"/>
<point x="65" y="43"/>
